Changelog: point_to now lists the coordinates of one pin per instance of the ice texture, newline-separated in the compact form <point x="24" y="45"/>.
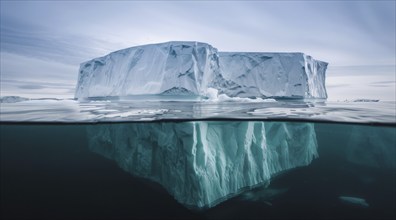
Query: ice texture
<point x="289" y="75"/>
<point x="173" y="67"/>
<point x="205" y="162"/>
<point x="191" y="68"/>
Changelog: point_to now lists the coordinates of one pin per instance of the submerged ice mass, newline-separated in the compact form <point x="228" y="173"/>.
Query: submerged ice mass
<point x="204" y="163"/>
<point x="191" y="68"/>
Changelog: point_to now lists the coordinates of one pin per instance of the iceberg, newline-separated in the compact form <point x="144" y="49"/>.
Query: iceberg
<point x="203" y="163"/>
<point x="191" y="68"/>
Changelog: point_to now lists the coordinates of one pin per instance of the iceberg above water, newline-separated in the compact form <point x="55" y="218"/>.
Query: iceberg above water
<point x="203" y="163"/>
<point x="174" y="67"/>
<point x="286" y="75"/>
<point x="191" y="68"/>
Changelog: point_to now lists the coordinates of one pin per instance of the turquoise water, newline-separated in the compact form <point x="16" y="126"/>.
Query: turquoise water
<point x="65" y="159"/>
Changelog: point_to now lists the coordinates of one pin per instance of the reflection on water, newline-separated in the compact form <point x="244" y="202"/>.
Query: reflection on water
<point x="162" y="108"/>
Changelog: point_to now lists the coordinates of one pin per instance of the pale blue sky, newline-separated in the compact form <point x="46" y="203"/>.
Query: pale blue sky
<point x="42" y="43"/>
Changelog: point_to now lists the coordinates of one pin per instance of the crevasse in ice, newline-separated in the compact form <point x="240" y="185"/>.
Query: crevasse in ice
<point x="203" y="163"/>
<point x="193" y="67"/>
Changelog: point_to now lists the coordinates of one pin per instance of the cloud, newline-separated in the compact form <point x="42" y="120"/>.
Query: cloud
<point x="29" y="86"/>
<point x="383" y="82"/>
<point x="342" y="33"/>
<point x="36" y="41"/>
<point x="390" y="83"/>
<point x="336" y="86"/>
<point x="361" y="82"/>
<point x="34" y="78"/>
<point x="20" y="67"/>
<point x="36" y="89"/>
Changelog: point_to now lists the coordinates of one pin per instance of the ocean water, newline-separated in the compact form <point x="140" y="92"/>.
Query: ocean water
<point x="51" y="168"/>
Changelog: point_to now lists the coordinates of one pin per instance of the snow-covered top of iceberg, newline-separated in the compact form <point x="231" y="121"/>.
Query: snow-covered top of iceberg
<point x="192" y="68"/>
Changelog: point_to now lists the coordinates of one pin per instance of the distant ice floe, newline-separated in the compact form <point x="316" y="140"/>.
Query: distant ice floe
<point x="359" y="100"/>
<point x="15" y="99"/>
<point x="366" y="100"/>
<point x="12" y="99"/>
<point x="213" y="95"/>
<point x="138" y="112"/>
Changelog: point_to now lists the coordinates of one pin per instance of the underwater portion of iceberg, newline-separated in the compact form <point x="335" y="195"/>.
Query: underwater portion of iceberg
<point x="204" y="163"/>
<point x="191" y="68"/>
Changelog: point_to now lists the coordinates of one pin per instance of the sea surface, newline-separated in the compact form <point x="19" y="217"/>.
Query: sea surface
<point x="49" y="170"/>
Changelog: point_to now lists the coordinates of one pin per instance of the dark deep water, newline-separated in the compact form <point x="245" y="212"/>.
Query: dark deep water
<point x="48" y="172"/>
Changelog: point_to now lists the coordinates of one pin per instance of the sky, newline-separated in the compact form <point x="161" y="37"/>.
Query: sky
<point x="43" y="42"/>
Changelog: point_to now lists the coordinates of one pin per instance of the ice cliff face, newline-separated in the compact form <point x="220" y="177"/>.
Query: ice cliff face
<point x="173" y="67"/>
<point x="192" y="68"/>
<point x="204" y="163"/>
<point x="290" y="75"/>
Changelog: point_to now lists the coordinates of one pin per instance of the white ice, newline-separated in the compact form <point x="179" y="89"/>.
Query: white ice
<point x="191" y="68"/>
